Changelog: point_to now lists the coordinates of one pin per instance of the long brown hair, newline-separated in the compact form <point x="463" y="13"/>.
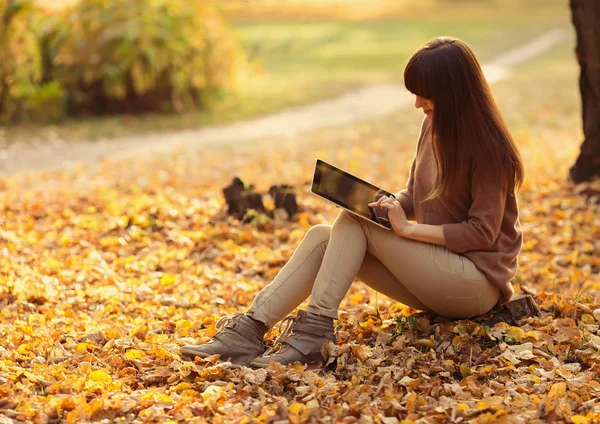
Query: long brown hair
<point x="467" y="125"/>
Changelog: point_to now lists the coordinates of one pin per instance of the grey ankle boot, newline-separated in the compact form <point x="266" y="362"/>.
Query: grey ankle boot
<point x="301" y="340"/>
<point x="239" y="341"/>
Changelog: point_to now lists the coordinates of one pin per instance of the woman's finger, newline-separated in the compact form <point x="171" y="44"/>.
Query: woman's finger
<point x="378" y="202"/>
<point x="382" y="199"/>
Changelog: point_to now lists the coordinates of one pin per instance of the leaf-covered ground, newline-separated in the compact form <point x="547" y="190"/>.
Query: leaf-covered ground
<point x="105" y="274"/>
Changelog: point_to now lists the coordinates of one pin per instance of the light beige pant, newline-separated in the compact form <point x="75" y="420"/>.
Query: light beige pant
<point x="422" y="275"/>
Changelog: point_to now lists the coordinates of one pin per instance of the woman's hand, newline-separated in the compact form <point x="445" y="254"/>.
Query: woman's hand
<point x="396" y="214"/>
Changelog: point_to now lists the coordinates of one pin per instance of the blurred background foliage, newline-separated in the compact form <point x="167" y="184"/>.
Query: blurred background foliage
<point x="100" y="63"/>
<point x="21" y="87"/>
<point x="358" y="10"/>
<point x="112" y="56"/>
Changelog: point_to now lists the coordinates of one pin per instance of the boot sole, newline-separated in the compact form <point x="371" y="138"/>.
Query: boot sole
<point x="191" y="352"/>
<point x="309" y="365"/>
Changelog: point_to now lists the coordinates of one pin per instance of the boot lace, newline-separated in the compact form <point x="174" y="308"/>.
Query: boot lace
<point x="290" y="320"/>
<point x="224" y="320"/>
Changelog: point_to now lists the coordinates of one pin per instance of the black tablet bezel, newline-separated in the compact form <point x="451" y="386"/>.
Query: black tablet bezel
<point x="317" y="180"/>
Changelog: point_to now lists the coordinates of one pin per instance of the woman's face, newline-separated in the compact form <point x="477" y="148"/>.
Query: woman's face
<point x="427" y="106"/>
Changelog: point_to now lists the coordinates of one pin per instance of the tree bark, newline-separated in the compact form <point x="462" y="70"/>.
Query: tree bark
<point x="586" y="19"/>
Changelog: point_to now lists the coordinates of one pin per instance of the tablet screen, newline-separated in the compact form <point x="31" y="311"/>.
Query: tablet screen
<point x="350" y="192"/>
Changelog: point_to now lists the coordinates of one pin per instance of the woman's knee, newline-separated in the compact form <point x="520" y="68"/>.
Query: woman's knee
<point x="318" y="233"/>
<point x="347" y="217"/>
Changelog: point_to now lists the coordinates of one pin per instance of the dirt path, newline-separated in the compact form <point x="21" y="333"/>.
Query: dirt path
<point x="360" y="105"/>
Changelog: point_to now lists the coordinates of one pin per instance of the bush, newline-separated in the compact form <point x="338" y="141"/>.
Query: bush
<point x="141" y="55"/>
<point x="23" y="93"/>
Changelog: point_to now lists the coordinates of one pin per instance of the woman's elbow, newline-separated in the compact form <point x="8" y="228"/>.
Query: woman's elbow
<point x="487" y="240"/>
<point x="485" y="237"/>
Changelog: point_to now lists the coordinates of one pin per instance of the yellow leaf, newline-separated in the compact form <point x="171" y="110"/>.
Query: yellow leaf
<point x="482" y="405"/>
<point x="27" y="329"/>
<point x="195" y="235"/>
<point x="532" y="334"/>
<point x="94" y="406"/>
<point x="182" y="387"/>
<point x="414" y="401"/>
<point x="100" y="376"/>
<point x="24" y="349"/>
<point x="296" y="408"/>
<point x="141" y="221"/>
<point x="167" y="280"/>
<point x="31" y="377"/>
<point x="98" y="379"/>
<point x="579" y="419"/>
<point x="588" y="319"/>
<point x="557" y="390"/>
<point x="573" y="257"/>
<point x="368" y="324"/>
<point x="463" y="406"/>
<point x="52" y="263"/>
<point x="208" y="320"/>
<point x="516" y="333"/>
<point x="494" y="401"/>
<point x="357" y="298"/>
<point x="160" y="352"/>
<point x="263" y="255"/>
<point x="215" y="396"/>
<point x="500" y="412"/>
<point x="303" y="221"/>
<point x="134" y="354"/>
<point x="156" y="397"/>
<point x="81" y="347"/>
<point x="112" y="333"/>
<point x="460" y="341"/>
<point x="297" y="234"/>
<point x="183" y="326"/>
<point x="139" y="330"/>
<point x="157" y="338"/>
<point x="112" y="241"/>
<point x="299" y="368"/>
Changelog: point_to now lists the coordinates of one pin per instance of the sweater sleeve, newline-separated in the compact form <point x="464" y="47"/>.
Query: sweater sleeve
<point x="482" y="227"/>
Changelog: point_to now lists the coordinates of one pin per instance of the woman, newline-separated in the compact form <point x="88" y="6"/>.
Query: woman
<point x="456" y="260"/>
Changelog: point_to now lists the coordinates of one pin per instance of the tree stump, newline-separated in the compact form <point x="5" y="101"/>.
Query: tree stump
<point x="285" y="198"/>
<point x="520" y="306"/>
<point x="253" y="200"/>
<point x="239" y="199"/>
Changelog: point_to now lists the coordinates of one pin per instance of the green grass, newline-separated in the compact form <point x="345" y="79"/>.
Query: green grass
<point x="294" y="63"/>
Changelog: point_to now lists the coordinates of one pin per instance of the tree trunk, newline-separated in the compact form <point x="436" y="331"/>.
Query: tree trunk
<point x="586" y="19"/>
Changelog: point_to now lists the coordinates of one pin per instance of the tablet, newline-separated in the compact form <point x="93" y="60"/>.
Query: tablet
<point x="349" y="192"/>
